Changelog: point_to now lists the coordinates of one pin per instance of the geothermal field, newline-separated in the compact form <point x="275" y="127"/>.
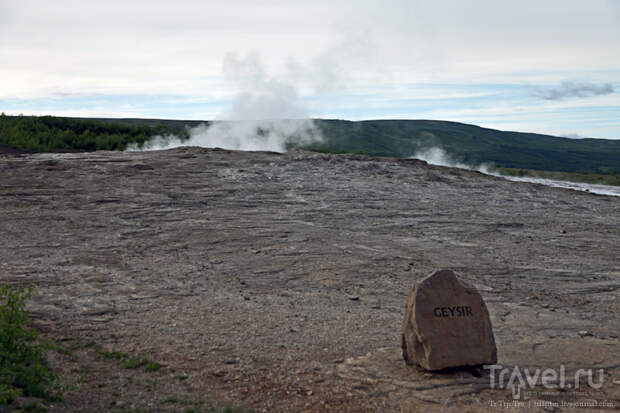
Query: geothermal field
<point x="277" y="282"/>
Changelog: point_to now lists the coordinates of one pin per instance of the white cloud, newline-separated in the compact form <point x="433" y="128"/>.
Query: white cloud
<point x="141" y="46"/>
<point x="331" y="51"/>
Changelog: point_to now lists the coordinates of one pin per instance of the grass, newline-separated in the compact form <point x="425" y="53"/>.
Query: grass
<point x="24" y="369"/>
<point x="152" y="366"/>
<point x="135" y="362"/>
<point x="128" y="361"/>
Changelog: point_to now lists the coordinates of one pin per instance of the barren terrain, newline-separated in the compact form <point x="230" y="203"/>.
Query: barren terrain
<point x="277" y="282"/>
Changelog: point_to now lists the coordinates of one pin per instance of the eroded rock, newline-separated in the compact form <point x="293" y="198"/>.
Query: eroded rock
<point x="446" y="324"/>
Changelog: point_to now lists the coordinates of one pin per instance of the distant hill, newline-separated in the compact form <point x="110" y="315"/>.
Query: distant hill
<point x="470" y="144"/>
<point x="465" y="143"/>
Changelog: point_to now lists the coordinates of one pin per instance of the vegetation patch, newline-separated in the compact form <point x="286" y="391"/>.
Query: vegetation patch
<point x="128" y="361"/>
<point x="50" y="133"/>
<point x="24" y="369"/>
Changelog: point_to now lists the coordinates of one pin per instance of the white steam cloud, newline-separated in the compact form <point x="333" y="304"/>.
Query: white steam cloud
<point x="574" y="136"/>
<point x="437" y="156"/>
<point x="267" y="114"/>
<point x="275" y="135"/>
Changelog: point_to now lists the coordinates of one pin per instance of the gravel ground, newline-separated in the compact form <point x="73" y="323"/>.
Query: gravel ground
<point x="277" y="282"/>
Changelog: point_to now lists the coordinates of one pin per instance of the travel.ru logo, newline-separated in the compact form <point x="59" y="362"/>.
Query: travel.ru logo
<point x="519" y="378"/>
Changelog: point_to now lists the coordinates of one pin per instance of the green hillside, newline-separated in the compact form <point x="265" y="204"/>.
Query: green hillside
<point x="465" y="143"/>
<point x="472" y="144"/>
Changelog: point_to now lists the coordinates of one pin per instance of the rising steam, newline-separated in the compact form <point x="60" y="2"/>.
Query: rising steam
<point x="437" y="156"/>
<point x="267" y="114"/>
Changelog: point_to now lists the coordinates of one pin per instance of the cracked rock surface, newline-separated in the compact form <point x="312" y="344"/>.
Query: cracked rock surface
<point x="278" y="281"/>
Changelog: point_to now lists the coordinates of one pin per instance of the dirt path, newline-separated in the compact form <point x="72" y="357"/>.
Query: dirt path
<point x="278" y="282"/>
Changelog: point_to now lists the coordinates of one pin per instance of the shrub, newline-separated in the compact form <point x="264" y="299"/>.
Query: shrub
<point x="24" y="369"/>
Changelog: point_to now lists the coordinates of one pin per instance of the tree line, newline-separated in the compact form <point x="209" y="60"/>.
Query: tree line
<point x="50" y="133"/>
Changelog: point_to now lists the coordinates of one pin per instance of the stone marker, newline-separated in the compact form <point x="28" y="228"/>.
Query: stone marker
<point x="446" y="325"/>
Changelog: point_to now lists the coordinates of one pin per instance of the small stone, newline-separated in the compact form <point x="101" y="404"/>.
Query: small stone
<point x="446" y="324"/>
<point x="584" y="333"/>
<point x="354" y="297"/>
<point x="562" y="231"/>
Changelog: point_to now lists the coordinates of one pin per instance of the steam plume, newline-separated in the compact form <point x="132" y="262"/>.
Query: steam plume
<point x="267" y="114"/>
<point x="437" y="156"/>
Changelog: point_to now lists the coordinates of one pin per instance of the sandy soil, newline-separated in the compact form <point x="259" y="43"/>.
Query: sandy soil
<point x="277" y="282"/>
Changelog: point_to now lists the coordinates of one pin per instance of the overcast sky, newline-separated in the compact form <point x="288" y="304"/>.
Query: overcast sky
<point x="550" y="66"/>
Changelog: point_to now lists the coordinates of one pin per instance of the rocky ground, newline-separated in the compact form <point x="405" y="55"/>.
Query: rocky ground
<point x="277" y="282"/>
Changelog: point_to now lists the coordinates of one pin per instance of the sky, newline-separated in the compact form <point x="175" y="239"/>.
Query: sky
<point x="549" y="66"/>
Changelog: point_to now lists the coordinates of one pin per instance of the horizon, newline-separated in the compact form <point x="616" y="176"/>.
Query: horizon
<point x="533" y="68"/>
<point x="312" y="119"/>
